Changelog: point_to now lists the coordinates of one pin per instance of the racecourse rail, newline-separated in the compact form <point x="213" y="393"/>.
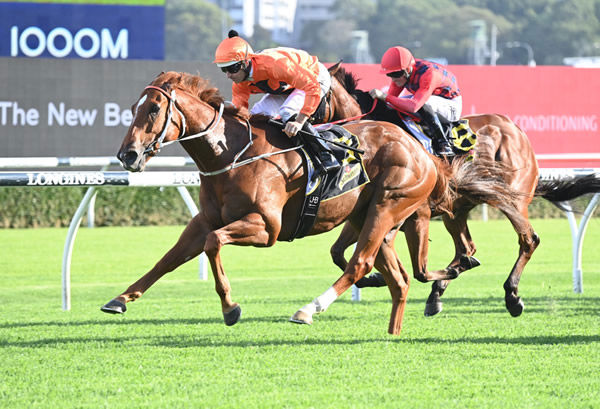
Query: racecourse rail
<point x="181" y="179"/>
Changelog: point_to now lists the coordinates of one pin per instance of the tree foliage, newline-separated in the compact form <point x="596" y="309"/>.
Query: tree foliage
<point x="193" y="29"/>
<point x="554" y="29"/>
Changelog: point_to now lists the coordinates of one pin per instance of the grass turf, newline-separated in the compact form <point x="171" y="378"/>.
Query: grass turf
<point x="171" y="348"/>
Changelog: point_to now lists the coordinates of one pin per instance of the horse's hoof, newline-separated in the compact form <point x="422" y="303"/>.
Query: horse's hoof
<point x="469" y="262"/>
<point x="516" y="309"/>
<point x="433" y="308"/>
<point x="114" y="307"/>
<point x="300" y="317"/>
<point x="233" y="316"/>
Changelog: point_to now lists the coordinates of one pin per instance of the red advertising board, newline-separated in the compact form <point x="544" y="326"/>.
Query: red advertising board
<point x="557" y="106"/>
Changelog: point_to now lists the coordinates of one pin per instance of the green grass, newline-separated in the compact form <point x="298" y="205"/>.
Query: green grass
<point x="172" y="350"/>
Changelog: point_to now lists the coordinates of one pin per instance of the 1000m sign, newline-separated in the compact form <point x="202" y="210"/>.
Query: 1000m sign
<point x="60" y="42"/>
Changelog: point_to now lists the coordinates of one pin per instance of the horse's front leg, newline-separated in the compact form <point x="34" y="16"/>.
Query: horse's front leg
<point x="189" y="245"/>
<point x="251" y="230"/>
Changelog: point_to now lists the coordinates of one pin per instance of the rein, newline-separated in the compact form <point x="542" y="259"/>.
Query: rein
<point x="158" y="144"/>
<point x="354" y="118"/>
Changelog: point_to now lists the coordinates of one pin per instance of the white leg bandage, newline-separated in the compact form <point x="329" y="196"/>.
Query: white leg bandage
<point x="323" y="301"/>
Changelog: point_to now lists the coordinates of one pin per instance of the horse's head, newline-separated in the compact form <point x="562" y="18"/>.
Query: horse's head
<point x="156" y="119"/>
<point x="173" y="104"/>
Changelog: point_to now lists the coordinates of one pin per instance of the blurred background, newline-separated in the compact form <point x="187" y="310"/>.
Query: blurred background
<point x="71" y="70"/>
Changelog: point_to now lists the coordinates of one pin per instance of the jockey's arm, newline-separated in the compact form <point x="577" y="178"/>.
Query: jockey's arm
<point x="240" y="95"/>
<point x="413" y="103"/>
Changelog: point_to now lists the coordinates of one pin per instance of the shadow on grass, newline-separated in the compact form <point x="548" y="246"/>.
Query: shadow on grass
<point x="215" y="341"/>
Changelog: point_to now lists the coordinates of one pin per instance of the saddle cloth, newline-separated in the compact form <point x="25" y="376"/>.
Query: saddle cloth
<point x="322" y="187"/>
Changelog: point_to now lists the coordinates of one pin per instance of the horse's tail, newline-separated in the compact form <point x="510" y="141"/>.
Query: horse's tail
<point x="563" y="190"/>
<point x="474" y="181"/>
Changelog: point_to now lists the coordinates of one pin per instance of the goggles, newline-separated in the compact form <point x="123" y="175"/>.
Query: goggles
<point x="232" y="69"/>
<point x="397" y="74"/>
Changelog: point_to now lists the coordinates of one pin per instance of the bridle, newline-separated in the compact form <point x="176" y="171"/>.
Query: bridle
<point x="155" y="146"/>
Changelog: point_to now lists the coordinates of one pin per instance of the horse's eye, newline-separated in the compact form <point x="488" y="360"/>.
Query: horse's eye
<point x="154" y="109"/>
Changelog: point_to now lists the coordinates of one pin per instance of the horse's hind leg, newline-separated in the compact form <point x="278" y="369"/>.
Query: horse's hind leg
<point x="528" y="242"/>
<point x="416" y="230"/>
<point x="464" y="249"/>
<point x="189" y="245"/>
<point x="347" y="237"/>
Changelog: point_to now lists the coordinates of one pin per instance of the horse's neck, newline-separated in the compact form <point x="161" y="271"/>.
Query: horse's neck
<point x="218" y="148"/>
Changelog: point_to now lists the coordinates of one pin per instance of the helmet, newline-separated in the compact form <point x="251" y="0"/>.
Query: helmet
<point x="232" y="50"/>
<point x="397" y="59"/>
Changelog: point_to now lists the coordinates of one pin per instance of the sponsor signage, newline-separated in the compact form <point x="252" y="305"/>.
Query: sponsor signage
<point x="81" y="31"/>
<point x="556" y="122"/>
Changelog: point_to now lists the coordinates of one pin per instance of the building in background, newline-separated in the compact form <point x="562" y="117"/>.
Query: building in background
<point x="285" y="19"/>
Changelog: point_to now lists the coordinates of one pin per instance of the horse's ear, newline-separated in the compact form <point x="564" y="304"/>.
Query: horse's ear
<point x="335" y="67"/>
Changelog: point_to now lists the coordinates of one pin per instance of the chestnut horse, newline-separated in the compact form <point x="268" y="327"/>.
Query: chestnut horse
<point x="499" y="141"/>
<point x="253" y="185"/>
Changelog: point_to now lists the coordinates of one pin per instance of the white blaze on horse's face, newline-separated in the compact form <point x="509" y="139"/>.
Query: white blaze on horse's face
<point x="137" y="107"/>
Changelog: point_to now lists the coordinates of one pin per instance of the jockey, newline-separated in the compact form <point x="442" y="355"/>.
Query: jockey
<point x="293" y="83"/>
<point x="424" y="88"/>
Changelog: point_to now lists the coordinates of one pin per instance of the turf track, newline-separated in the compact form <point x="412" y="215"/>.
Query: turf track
<point x="171" y="348"/>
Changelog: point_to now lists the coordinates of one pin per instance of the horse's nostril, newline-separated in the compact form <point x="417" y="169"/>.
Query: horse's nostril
<point x="129" y="157"/>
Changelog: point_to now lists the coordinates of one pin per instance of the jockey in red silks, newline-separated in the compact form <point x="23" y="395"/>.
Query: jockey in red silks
<point x="423" y="88"/>
<point x="292" y="80"/>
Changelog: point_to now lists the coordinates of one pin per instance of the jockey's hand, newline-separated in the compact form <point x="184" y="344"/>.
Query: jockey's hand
<point x="378" y="94"/>
<point x="292" y="127"/>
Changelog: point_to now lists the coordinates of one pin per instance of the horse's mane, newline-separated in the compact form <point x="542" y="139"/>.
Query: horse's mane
<point x="201" y="87"/>
<point x="348" y="80"/>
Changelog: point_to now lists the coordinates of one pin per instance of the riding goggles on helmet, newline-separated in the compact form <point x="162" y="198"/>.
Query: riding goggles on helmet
<point x="397" y="74"/>
<point x="232" y="69"/>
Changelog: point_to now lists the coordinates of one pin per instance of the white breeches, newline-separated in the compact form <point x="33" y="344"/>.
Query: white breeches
<point x="450" y="109"/>
<point x="291" y="104"/>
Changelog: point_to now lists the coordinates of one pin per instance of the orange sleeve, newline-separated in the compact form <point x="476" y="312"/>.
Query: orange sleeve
<point x="240" y="95"/>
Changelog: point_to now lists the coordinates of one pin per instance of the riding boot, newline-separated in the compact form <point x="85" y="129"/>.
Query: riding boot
<point x="319" y="150"/>
<point x="439" y="138"/>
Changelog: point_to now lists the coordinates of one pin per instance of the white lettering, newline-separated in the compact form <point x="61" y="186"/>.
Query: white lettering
<point x="115" y="49"/>
<point x="65" y="179"/>
<point x="41" y="38"/>
<point x="19" y="116"/>
<point x="86" y="117"/>
<point x="14" y="41"/>
<point x="113" y="116"/>
<point x="102" y="42"/>
<point x="72" y="117"/>
<point x="557" y="123"/>
<point x="95" y="39"/>
<point x="56" y="115"/>
<point x="64" y="33"/>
